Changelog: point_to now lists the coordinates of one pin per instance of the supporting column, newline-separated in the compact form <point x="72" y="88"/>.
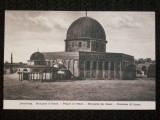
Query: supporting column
<point x="84" y="69"/>
<point x="42" y="76"/>
<point x="45" y="76"/>
<point x="19" y="76"/>
<point x="120" y="71"/>
<point x="91" y="68"/>
<point x="78" y="68"/>
<point x="67" y="64"/>
<point x="103" y="70"/>
<point x="50" y="75"/>
<point x="73" y="66"/>
<point x="37" y="76"/>
<point x="109" y="69"/>
<point x="115" y="69"/>
<point x="90" y="46"/>
<point x="33" y="76"/>
<point x="30" y="76"/>
<point x="97" y="70"/>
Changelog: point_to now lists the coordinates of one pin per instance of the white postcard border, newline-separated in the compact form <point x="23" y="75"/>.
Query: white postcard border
<point x="78" y="105"/>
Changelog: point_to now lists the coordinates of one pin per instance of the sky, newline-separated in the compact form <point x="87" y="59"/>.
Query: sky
<point x="27" y="32"/>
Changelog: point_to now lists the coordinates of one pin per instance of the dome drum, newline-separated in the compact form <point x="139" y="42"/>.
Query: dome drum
<point x="86" y="45"/>
<point x="86" y="38"/>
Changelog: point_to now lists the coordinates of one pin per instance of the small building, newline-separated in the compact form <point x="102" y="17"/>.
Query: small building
<point x="10" y="68"/>
<point x="85" y="57"/>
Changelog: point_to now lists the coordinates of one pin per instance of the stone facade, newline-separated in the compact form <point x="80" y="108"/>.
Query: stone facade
<point x="85" y="57"/>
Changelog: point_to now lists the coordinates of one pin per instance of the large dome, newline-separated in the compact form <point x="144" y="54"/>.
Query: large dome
<point x="37" y="56"/>
<point x="86" y="27"/>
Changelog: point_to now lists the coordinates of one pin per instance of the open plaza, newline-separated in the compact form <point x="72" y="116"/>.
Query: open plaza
<point x="142" y="89"/>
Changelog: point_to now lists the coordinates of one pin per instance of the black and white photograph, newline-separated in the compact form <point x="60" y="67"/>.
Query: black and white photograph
<point x="79" y="60"/>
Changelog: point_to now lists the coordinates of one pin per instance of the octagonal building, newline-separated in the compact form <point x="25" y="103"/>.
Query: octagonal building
<point x="85" y="57"/>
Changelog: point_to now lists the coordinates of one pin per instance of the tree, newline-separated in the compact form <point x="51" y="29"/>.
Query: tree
<point x="136" y="61"/>
<point x="141" y="61"/>
<point x="148" y="60"/>
<point x="151" y="71"/>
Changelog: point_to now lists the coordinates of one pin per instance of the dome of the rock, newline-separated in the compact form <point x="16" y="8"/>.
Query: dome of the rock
<point x="86" y="27"/>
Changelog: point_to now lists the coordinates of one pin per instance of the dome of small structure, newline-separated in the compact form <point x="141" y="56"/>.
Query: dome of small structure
<point x="86" y="27"/>
<point x="37" y="56"/>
